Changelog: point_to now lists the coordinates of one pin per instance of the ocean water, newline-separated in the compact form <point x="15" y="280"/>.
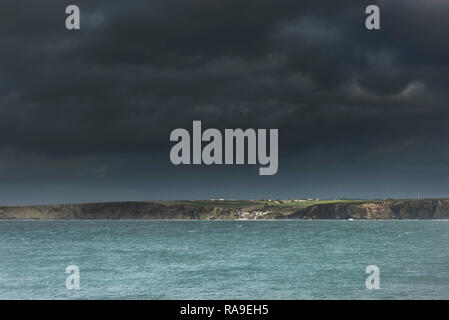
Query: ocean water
<point x="224" y="259"/>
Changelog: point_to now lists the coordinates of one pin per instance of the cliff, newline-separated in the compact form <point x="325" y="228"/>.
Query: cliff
<point x="394" y="209"/>
<point x="116" y="210"/>
<point x="209" y="210"/>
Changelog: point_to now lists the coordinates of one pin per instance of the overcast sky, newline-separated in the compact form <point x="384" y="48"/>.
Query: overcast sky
<point x="86" y="115"/>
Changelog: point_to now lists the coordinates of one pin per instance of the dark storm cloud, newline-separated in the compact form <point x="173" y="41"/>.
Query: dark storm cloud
<point x="135" y="71"/>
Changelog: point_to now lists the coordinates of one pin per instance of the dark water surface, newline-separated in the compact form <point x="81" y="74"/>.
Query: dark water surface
<point x="224" y="259"/>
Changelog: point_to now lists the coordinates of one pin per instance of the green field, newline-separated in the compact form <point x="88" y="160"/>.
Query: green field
<point x="259" y="204"/>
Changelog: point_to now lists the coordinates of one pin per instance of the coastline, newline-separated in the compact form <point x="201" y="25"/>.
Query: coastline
<point x="238" y="210"/>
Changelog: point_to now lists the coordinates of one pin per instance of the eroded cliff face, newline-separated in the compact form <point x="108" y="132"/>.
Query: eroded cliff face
<point x="116" y="210"/>
<point x="396" y="209"/>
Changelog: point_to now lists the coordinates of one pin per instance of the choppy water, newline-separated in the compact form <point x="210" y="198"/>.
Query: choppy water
<point x="224" y="259"/>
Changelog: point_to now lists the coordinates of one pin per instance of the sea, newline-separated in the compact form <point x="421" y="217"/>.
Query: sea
<point x="162" y="259"/>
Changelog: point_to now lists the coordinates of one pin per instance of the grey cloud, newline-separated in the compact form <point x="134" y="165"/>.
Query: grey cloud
<point x="116" y="88"/>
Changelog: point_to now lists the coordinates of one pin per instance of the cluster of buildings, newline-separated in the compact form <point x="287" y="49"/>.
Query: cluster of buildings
<point x="293" y="200"/>
<point x="274" y="201"/>
<point x="256" y="214"/>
